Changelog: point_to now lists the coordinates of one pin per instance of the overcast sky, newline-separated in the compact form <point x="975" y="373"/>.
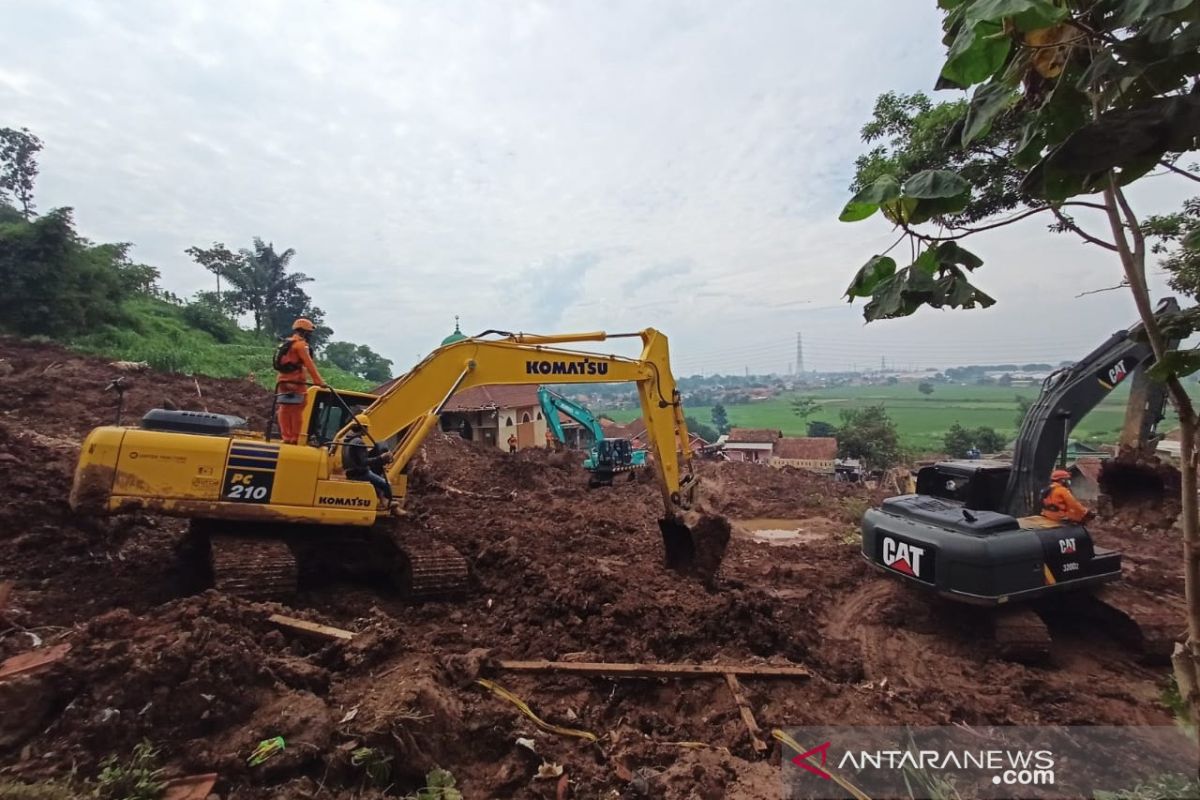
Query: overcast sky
<point x="529" y="166"/>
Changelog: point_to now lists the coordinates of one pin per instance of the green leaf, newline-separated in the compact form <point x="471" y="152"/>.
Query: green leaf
<point x="1141" y="11"/>
<point x="1029" y="149"/>
<point x="888" y="301"/>
<point x="926" y="210"/>
<point x="869" y="278"/>
<point x="1124" y="138"/>
<point x="988" y="102"/>
<point x="1175" y="364"/>
<point x="935" y="183"/>
<point x="927" y="262"/>
<point x="900" y="210"/>
<point x="952" y="253"/>
<point x="1192" y="240"/>
<point x="978" y="52"/>
<point x="1026" y="15"/>
<point x="868" y="200"/>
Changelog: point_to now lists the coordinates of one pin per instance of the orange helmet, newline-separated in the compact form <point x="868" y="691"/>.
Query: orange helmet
<point x="1060" y="475"/>
<point x="303" y="324"/>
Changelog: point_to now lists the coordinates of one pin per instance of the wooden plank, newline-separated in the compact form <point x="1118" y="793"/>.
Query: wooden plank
<point x="743" y="705"/>
<point x="193" y="787"/>
<point x="6" y="588"/>
<point x="614" y="669"/>
<point x="33" y="661"/>
<point x="311" y="628"/>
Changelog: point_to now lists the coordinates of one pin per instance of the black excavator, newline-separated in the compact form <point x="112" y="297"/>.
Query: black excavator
<point x="973" y="532"/>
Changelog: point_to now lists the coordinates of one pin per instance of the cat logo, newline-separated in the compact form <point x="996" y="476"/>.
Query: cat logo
<point x="905" y="558"/>
<point x="1114" y="374"/>
<point x="1066" y="546"/>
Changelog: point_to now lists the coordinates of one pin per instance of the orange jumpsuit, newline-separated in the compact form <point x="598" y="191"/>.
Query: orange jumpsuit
<point x="1061" y="506"/>
<point x="291" y="416"/>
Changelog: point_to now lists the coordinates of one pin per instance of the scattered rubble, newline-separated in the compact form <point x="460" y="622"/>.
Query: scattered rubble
<point x="560" y="574"/>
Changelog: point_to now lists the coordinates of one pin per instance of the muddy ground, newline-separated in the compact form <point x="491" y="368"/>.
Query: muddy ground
<point x="559" y="572"/>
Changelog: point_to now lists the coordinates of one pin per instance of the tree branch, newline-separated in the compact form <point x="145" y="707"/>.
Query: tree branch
<point x="1080" y="232"/>
<point x="1139" y="238"/>
<point x="1121" y="285"/>
<point x="968" y="231"/>
<point x="1179" y="171"/>
<point x="1084" y="204"/>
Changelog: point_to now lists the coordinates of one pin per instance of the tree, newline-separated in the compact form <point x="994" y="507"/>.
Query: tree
<point x="805" y="407"/>
<point x="1023" y="406"/>
<point x="56" y="283"/>
<point x="1168" y="233"/>
<point x="959" y="441"/>
<point x="720" y="419"/>
<point x="261" y="284"/>
<point x="869" y="435"/>
<point x="18" y="167"/>
<point x="925" y="388"/>
<point x="359" y="360"/>
<point x="705" y="432"/>
<point x="1071" y="103"/>
<point x="821" y="429"/>
<point x="988" y="440"/>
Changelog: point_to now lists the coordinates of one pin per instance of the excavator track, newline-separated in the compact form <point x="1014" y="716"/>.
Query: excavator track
<point x="1136" y="618"/>
<point x="430" y="569"/>
<point x="252" y="568"/>
<point x="1020" y="635"/>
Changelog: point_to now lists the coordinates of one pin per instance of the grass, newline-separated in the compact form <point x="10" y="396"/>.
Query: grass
<point x="921" y="420"/>
<point x="136" y="778"/>
<point x="160" y="334"/>
<point x="46" y="790"/>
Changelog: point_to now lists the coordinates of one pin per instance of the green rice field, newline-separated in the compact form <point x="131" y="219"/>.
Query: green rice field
<point x="921" y="420"/>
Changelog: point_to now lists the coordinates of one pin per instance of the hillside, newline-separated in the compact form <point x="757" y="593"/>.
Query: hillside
<point x="173" y="338"/>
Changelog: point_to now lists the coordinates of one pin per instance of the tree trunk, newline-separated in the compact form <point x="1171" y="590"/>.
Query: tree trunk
<point x="1133" y="260"/>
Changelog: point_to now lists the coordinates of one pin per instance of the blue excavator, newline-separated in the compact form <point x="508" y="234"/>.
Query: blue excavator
<point x="607" y="457"/>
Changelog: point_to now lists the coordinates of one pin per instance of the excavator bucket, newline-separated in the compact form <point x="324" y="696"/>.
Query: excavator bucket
<point x="695" y="544"/>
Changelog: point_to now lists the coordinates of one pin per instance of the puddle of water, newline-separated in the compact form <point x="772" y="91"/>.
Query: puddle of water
<point x="778" y="532"/>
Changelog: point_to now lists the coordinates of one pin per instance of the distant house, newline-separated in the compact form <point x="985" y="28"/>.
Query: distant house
<point x="813" y="453"/>
<point x="490" y="414"/>
<point x="751" y="444"/>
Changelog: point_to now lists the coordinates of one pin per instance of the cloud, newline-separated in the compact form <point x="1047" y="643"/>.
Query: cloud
<point x="523" y="165"/>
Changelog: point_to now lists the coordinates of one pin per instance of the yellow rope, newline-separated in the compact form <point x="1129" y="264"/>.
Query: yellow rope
<point x="524" y="708"/>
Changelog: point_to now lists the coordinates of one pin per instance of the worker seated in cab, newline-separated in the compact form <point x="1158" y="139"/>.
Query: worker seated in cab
<point x="1059" y="504"/>
<point x="366" y="462"/>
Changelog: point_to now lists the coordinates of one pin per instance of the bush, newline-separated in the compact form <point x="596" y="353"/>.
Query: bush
<point x="209" y="319"/>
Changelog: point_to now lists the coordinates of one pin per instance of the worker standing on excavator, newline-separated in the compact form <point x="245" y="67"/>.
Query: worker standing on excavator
<point x="1059" y="504"/>
<point x="292" y="360"/>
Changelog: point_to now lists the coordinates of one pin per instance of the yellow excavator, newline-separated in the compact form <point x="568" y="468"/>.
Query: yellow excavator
<point x="258" y="504"/>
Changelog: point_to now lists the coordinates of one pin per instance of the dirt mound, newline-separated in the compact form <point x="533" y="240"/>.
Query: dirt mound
<point x="558" y="572"/>
<point x="60" y="393"/>
<point x="1141" y="491"/>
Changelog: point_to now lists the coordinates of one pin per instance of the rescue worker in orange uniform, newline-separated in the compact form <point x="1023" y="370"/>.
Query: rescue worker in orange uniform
<point x="292" y="361"/>
<point x="1059" y="504"/>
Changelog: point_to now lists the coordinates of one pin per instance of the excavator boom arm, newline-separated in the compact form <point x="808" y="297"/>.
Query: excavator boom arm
<point x="410" y="406"/>
<point x="1066" y="398"/>
<point x="552" y="403"/>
